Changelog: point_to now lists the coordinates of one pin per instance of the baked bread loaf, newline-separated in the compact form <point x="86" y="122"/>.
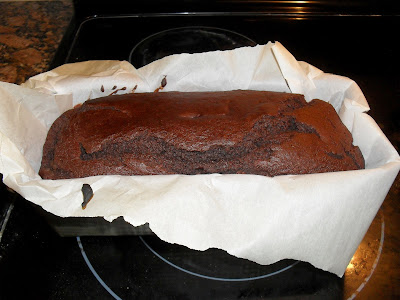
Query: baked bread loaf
<point x="234" y="132"/>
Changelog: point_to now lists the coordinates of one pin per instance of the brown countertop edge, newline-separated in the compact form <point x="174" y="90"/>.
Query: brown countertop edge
<point x="30" y="33"/>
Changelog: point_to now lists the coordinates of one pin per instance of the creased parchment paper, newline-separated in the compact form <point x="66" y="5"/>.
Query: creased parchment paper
<point x="318" y="218"/>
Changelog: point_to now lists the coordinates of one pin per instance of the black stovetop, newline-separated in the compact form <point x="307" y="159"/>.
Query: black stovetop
<point x="35" y="262"/>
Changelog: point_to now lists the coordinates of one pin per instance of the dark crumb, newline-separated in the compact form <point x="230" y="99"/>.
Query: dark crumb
<point x="163" y="84"/>
<point x="116" y="91"/>
<point x="87" y="194"/>
<point x="164" y="81"/>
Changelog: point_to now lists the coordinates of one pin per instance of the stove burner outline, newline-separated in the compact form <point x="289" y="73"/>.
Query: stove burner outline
<point x="115" y="296"/>
<point x="6" y="218"/>
<point x="92" y="269"/>
<point x="209" y="29"/>
<point x="211" y="277"/>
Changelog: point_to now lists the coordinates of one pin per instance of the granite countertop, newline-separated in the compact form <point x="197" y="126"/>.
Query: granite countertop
<point x="30" y="33"/>
<point x="27" y="45"/>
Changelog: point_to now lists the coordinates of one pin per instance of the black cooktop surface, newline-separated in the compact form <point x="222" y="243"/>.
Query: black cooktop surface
<point x="37" y="263"/>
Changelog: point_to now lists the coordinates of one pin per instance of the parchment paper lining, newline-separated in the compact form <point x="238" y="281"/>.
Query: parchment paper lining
<point x="318" y="218"/>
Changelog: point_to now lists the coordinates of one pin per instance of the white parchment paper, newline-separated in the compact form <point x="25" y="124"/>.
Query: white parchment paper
<point x="318" y="218"/>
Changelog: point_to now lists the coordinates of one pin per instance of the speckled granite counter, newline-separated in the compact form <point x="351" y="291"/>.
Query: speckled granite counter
<point x="28" y="44"/>
<point x="30" y="33"/>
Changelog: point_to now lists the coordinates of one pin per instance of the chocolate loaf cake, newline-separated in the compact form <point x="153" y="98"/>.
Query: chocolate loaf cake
<point x="235" y="132"/>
